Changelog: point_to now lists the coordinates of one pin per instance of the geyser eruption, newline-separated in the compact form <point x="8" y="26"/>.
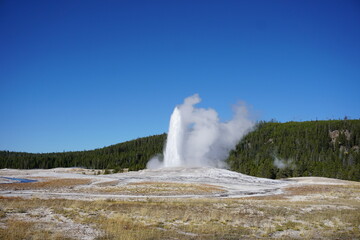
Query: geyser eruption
<point x="174" y="141"/>
<point x="197" y="138"/>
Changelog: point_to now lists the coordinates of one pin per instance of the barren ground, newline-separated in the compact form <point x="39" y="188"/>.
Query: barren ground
<point x="176" y="203"/>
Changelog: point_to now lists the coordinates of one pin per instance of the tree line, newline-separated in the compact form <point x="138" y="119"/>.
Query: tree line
<point x="131" y="154"/>
<point x="293" y="149"/>
<point x="272" y="150"/>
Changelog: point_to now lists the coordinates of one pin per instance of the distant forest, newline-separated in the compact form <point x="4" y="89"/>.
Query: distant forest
<point x="132" y="154"/>
<point x="273" y="150"/>
<point x="294" y="149"/>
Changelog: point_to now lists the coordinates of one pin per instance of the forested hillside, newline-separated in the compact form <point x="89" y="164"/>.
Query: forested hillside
<point x="272" y="150"/>
<point x="316" y="148"/>
<point x="132" y="154"/>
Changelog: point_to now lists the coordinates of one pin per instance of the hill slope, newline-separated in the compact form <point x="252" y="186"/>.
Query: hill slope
<point x="316" y="148"/>
<point x="132" y="154"/>
<point x="273" y="150"/>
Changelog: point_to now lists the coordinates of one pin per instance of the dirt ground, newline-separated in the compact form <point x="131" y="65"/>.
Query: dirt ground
<point x="176" y="203"/>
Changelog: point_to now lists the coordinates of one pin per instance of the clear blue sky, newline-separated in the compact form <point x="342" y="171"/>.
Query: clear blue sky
<point x="78" y="75"/>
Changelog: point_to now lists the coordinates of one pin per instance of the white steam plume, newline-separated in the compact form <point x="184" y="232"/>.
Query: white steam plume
<point x="282" y="163"/>
<point x="197" y="138"/>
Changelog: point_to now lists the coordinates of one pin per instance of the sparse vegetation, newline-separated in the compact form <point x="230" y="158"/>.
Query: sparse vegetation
<point x="154" y="188"/>
<point x="46" y="184"/>
<point x="308" y="212"/>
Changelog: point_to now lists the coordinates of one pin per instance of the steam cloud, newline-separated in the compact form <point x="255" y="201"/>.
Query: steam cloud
<point x="281" y="163"/>
<point x="197" y="138"/>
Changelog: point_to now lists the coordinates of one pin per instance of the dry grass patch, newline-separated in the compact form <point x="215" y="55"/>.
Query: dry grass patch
<point x="326" y="193"/>
<point x="310" y="189"/>
<point x="46" y="184"/>
<point x="17" y="229"/>
<point x="192" y="187"/>
<point x="267" y="197"/>
<point x="202" y="218"/>
<point x="108" y="183"/>
<point x="268" y="217"/>
<point x="157" y="188"/>
<point x="122" y="227"/>
<point x="37" y="219"/>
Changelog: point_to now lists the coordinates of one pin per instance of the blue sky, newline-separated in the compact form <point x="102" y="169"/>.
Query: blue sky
<point x="78" y="75"/>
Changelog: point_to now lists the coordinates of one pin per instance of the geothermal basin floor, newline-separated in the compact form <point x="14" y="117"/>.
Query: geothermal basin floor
<point x="84" y="184"/>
